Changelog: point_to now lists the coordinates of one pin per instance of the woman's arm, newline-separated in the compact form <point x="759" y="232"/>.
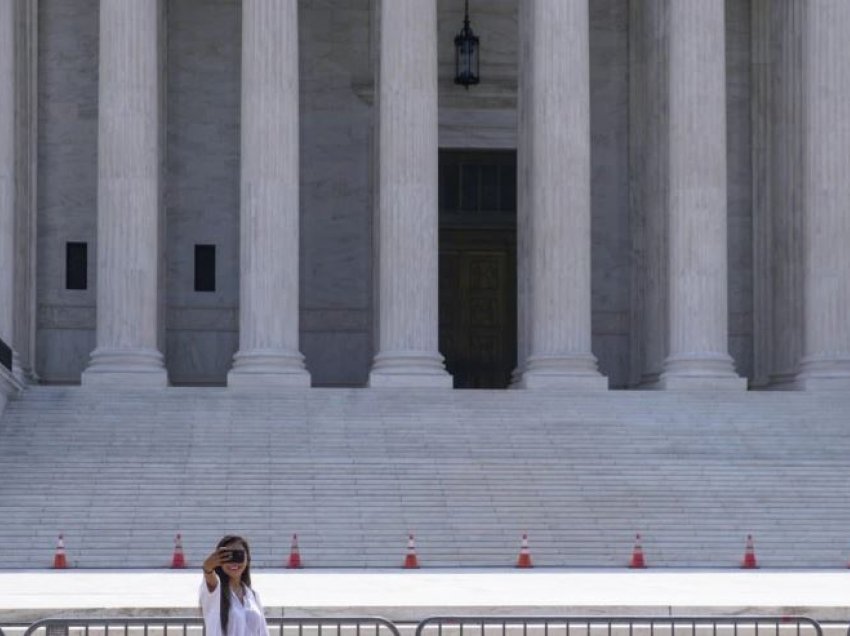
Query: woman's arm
<point x="213" y="561"/>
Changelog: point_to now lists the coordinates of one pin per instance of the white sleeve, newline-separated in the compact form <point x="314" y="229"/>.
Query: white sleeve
<point x="210" y="608"/>
<point x="265" y="631"/>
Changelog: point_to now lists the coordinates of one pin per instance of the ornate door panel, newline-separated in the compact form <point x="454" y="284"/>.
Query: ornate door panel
<point x="478" y="307"/>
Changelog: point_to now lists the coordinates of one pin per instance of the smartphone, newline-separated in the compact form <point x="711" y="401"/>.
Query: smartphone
<point x="237" y="556"/>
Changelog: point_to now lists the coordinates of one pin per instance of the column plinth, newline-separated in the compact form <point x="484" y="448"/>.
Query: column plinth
<point x="268" y="368"/>
<point x="698" y="355"/>
<point x="409" y="368"/>
<point x="269" y="200"/>
<point x="563" y="372"/>
<point x="823" y="373"/>
<point x="127" y="367"/>
<point x="9" y="386"/>
<point x="128" y="197"/>
<point x="700" y="371"/>
<point x="407" y="210"/>
<point x="554" y="227"/>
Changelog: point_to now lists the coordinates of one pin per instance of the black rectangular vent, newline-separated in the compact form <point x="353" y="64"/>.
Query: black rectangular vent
<point x="76" y="265"/>
<point x="205" y="268"/>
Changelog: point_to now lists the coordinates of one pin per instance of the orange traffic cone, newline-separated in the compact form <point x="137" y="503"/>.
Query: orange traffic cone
<point x="178" y="560"/>
<point x="294" y="554"/>
<point x="524" y="559"/>
<point x="749" y="561"/>
<point x="410" y="561"/>
<point x="59" y="560"/>
<point x="637" y="555"/>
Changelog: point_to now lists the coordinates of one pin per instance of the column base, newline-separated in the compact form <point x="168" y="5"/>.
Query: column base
<point x="573" y="373"/>
<point x="823" y="384"/>
<point x="649" y="381"/>
<point x="10" y="385"/>
<point x="824" y="374"/>
<point x="412" y="369"/>
<point x="10" y="382"/>
<point x="17" y="369"/>
<point x="516" y="378"/>
<point x="26" y="376"/>
<point x="782" y="382"/>
<point x="132" y="368"/>
<point x="701" y="372"/>
<point x="701" y="383"/>
<point x="268" y="368"/>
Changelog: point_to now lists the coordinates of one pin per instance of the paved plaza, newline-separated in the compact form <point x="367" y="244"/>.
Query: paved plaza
<point x="410" y="595"/>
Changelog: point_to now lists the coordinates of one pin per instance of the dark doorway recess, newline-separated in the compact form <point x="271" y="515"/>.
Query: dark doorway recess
<point x="478" y="266"/>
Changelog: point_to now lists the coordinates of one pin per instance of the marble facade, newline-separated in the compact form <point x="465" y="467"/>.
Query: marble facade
<point x="650" y="293"/>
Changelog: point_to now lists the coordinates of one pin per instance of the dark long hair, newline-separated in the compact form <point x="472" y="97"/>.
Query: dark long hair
<point x="224" y="580"/>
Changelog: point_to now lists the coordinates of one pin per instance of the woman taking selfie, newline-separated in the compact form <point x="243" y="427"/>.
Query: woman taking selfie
<point x="229" y="605"/>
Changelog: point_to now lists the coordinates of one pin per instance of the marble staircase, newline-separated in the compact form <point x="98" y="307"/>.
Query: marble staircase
<point x="353" y="470"/>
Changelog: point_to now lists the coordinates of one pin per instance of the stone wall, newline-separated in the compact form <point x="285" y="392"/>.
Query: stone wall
<point x="67" y="183"/>
<point x="336" y="199"/>
<point x="202" y="185"/>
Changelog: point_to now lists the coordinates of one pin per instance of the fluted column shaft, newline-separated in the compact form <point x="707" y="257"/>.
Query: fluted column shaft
<point x="7" y="170"/>
<point x="408" y="240"/>
<point x="26" y="123"/>
<point x="698" y="301"/>
<point x="128" y="196"/>
<point x="8" y="384"/>
<point x="269" y="200"/>
<point x="554" y="150"/>
<point x="787" y="201"/>
<point x="523" y="208"/>
<point x="826" y="86"/>
<point x="648" y="147"/>
<point x="763" y="38"/>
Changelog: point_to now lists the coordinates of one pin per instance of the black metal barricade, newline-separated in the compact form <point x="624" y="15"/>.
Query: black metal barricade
<point x="451" y="626"/>
<point x="619" y="626"/>
<point x="194" y="626"/>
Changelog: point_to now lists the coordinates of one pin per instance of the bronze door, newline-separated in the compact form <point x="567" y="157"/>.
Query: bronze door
<point x="478" y="306"/>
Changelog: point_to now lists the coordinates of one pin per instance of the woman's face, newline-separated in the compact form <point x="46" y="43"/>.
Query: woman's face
<point x="235" y="570"/>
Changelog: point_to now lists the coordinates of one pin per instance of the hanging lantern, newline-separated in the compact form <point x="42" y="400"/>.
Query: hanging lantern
<point x="466" y="53"/>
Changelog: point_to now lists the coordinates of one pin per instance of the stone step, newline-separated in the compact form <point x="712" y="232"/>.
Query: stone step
<point x="352" y="471"/>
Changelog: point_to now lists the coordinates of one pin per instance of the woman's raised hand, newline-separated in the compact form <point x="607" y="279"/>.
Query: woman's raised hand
<point x="219" y="557"/>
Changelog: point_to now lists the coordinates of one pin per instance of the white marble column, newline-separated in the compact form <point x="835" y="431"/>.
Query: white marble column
<point x="554" y="150"/>
<point x="826" y="147"/>
<point x="128" y="196"/>
<point x="762" y="39"/>
<point x="649" y="151"/>
<point x="269" y="205"/>
<point x="698" y="355"/>
<point x="26" y="94"/>
<point x="407" y="214"/>
<point x="523" y="207"/>
<point x="7" y="171"/>
<point x="786" y="201"/>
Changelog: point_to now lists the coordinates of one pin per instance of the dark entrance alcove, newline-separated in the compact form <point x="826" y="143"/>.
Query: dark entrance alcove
<point x="478" y="306"/>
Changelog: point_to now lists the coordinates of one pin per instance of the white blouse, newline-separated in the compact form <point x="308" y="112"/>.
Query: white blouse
<point x="246" y="619"/>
